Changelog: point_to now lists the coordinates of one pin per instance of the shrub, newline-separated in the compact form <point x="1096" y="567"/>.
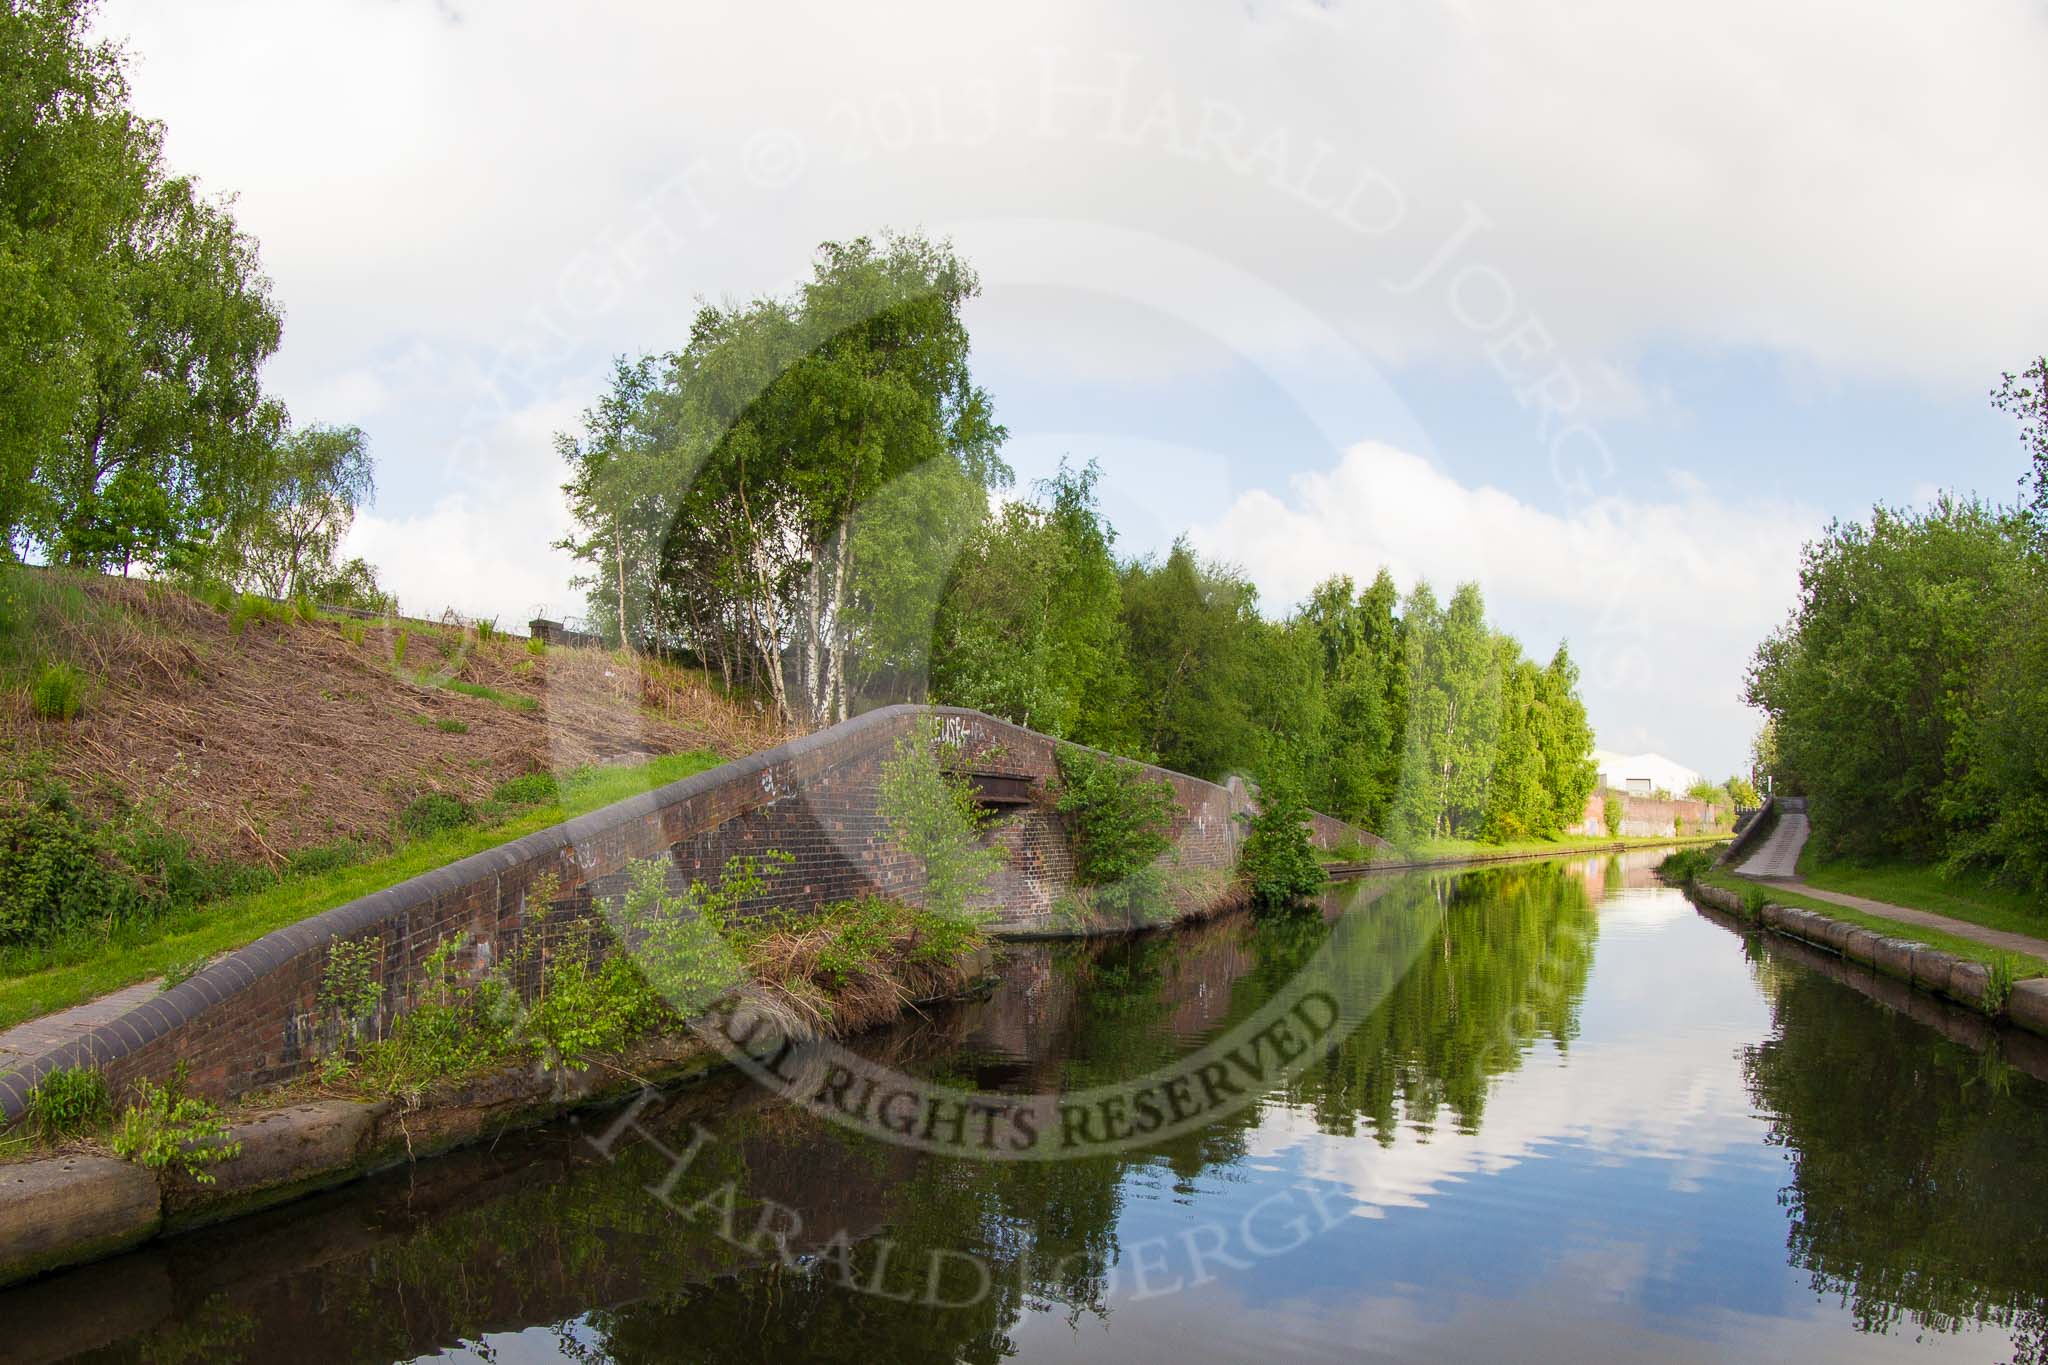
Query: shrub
<point x="938" y="940"/>
<point x="682" y="942"/>
<point x="1611" y="810"/>
<point x="455" y="1026"/>
<point x="349" y="988"/>
<point x="166" y="1128"/>
<point x="1754" y="899"/>
<point x="323" y="858"/>
<point x="54" y="873"/>
<point x="399" y="643"/>
<point x="432" y="814"/>
<point x="58" y="692"/>
<point x="536" y="646"/>
<point x="61" y="871"/>
<point x="67" y="1103"/>
<point x="1277" y="862"/>
<point x="935" y="819"/>
<point x="1685" y="867"/>
<point x="487" y="630"/>
<point x="528" y="789"/>
<point x="861" y="932"/>
<point x="1120" y="820"/>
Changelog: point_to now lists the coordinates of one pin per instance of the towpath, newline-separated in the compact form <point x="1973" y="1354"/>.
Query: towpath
<point x="35" y="1037"/>
<point x="1777" y="861"/>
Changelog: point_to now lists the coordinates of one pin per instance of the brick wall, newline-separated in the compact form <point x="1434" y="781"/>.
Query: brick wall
<point x="1643" y="817"/>
<point x="253" y="1020"/>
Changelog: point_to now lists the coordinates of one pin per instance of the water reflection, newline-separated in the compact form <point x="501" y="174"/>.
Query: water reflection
<point x="1583" y="1124"/>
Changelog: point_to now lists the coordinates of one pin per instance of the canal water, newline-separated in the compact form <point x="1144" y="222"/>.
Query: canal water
<point x="1555" y="1114"/>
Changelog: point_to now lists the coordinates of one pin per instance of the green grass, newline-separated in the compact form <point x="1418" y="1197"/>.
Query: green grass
<point x="78" y="971"/>
<point x="1964" y="896"/>
<point x="517" y="701"/>
<point x="1446" y="849"/>
<point x="1891" y="928"/>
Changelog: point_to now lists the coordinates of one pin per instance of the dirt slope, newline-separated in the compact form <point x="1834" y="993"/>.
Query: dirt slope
<point x="259" y="735"/>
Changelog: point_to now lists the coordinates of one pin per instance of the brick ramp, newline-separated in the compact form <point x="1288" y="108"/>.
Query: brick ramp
<point x="1778" y="858"/>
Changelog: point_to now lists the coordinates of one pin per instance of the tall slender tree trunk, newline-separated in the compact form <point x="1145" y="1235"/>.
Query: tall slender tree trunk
<point x="619" y="555"/>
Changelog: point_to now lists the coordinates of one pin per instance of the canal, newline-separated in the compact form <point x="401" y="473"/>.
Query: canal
<point x="1544" y="1112"/>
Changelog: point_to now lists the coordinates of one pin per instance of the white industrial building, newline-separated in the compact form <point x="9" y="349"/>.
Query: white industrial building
<point x="1643" y="774"/>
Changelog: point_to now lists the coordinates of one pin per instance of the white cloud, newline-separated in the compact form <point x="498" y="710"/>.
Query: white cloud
<point x="467" y="210"/>
<point x="1847" y="185"/>
<point x="1666" y="599"/>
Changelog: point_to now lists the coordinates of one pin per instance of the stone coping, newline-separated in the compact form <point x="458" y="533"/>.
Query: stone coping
<point x="1908" y="960"/>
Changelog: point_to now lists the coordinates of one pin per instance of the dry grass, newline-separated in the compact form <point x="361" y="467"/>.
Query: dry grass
<point x="793" y="986"/>
<point x="258" y="737"/>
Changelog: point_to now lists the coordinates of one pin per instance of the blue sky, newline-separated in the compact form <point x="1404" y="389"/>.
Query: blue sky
<point x="1302" y="277"/>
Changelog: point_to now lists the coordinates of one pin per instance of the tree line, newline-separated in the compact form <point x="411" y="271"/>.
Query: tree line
<point x="135" y="320"/>
<point x="1907" y="695"/>
<point x="809" y="498"/>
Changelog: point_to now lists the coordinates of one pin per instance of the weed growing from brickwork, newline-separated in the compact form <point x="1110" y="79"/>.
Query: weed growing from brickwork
<point x="167" y="1129"/>
<point x="68" y="1103"/>
<point x="1120" y="822"/>
<point x="934" y="818"/>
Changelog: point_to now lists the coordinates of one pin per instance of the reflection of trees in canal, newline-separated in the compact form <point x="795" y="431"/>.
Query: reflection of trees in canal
<point x="1508" y="968"/>
<point x="1915" y="1194"/>
<point x="1917" y="1191"/>
<point x="542" y="1232"/>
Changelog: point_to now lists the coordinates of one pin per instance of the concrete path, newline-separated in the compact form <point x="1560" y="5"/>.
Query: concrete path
<point x="1927" y="919"/>
<point x="32" y="1039"/>
<point x="1778" y="856"/>
<point x="1778" y="861"/>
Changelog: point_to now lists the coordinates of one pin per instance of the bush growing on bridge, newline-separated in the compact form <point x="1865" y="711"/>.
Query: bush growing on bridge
<point x="934" y="818"/>
<point x="1277" y="862"/>
<point x="1120" y="821"/>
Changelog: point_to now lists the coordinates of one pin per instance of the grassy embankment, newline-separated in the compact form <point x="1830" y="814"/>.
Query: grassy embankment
<point x="1450" y="850"/>
<point x="184" y="771"/>
<point x="1962" y="895"/>
<point x="73" y="971"/>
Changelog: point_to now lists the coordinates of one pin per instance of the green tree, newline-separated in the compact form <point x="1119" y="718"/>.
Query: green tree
<point x="1192" y="631"/>
<point x="1871" y="684"/>
<point x="613" y="495"/>
<point x="1277" y="862"/>
<point x="314" y="481"/>
<point x="1454" y="709"/>
<point x="765" y="491"/>
<point x="172" y="431"/>
<point x="2025" y="397"/>
<point x="74" y="174"/>
<point x="1030" y="627"/>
